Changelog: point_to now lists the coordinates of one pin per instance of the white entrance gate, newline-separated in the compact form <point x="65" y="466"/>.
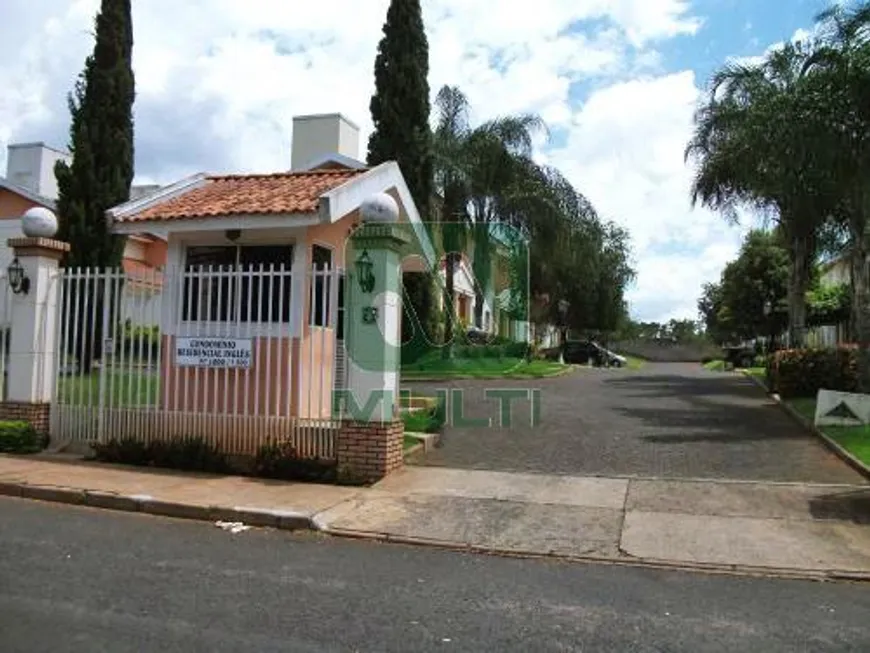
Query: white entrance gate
<point x="228" y="355"/>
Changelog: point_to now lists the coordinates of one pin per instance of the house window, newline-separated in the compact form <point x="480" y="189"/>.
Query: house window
<point x="232" y="283"/>
<point x="321" y="263"/>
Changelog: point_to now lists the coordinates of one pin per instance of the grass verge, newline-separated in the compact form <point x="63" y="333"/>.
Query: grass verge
<point x="433" y="366"/>
<point x="715" y="366"/>
<point x="634" y="363"/>
<point x="428" y="420"/>
<point x="854" y="439"/>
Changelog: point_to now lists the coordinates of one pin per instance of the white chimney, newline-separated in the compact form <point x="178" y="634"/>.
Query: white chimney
<point x="31" y="165"/>
<point x="316" y="137"/>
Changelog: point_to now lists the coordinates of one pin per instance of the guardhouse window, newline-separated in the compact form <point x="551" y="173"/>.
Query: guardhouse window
<point x="238" y="283"/>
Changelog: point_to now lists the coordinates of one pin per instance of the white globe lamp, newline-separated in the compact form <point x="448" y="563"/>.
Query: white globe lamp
<point x="39" y="222"/>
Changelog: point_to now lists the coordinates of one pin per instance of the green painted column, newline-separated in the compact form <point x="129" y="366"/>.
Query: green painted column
<point x="373" y="321"/>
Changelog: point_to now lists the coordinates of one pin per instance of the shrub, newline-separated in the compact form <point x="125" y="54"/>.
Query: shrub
<point x="190" y="454"/>
<point x="19" y="437"/>
<point x="126" y="451"/>
<point x="139" y="340"/>
<point x="803" y="372"/>
<point x="281" y="461"/>
<point x="516" y="350"/>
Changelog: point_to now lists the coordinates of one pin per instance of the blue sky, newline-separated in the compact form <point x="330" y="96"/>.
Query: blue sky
<point x="218" y="82"/>
<point x="738" y="28"/>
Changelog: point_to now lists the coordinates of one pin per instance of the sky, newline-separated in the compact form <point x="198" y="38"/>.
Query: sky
<point x="617" y="81"/>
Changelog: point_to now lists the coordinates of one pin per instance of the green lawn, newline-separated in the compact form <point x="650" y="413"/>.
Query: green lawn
<point x="433" y="366"/>
<point x="634" y="363"/>
<point x="122" y="389"/>
<point x="854" y="439"/>
<point x="715" y="366"/>
<point x="759" y="373"/>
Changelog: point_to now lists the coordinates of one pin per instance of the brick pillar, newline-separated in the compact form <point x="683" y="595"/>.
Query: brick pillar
<point x="368" y="451"/>
<point x="370" y="439"/>
<point x="36" y="413"/>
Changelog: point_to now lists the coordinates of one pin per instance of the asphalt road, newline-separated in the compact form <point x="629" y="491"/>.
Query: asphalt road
<point x="75" y="579"/>
<point x="667" y="420"/>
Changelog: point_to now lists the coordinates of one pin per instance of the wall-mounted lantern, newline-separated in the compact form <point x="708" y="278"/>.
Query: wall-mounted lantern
<point x="18" y="279"/>
<point x="365" y="271"/>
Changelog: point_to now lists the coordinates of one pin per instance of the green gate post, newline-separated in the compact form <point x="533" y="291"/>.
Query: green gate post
<point x="370" y="439"/>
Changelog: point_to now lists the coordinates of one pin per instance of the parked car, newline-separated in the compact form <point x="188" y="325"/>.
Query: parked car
<point x="585" y="352"/>
<point x="739" y="356"/>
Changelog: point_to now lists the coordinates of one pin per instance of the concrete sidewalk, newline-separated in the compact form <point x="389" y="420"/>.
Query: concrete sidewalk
<point x="790" y="529"/>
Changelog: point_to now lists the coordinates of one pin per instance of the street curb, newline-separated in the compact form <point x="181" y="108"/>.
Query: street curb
<point x="283" y="520"/>
<point x="647" y="563"/>
<point x="293" y="521"/>
<point x="833" y="445"/>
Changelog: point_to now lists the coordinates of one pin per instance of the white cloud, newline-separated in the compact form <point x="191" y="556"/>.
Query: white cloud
<point x="218" y="82"/>
<point x="625" y="152"/>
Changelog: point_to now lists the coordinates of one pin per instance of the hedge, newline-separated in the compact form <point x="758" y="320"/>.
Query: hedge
<point x="803" y="372"/>
<point x="19" y="437"/>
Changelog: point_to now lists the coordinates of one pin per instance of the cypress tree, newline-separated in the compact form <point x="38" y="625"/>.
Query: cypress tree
<point x="400" y="113"/>
<point x="101" y="142"/>
<point x="400" y="106"/>
<point x="99" y="177"/>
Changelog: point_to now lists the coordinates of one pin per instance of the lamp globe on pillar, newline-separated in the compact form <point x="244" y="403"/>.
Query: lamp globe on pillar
<point x="380" y="208"/>
<point x="37" y="222"/>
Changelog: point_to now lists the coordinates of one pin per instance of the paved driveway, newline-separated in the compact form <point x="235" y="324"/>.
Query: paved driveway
<point x="667" y="420"/>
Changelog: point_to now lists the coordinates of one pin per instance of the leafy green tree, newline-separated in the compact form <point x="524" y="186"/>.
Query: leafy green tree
<point x="717" y="326"/>
<point x="829" y="304"/>
<point x="754" y="288"/>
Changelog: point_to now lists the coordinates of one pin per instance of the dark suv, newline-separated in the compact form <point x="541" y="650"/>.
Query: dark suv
<point x="583" y="352"/>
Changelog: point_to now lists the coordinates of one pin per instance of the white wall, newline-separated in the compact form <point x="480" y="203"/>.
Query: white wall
<point x="319" y="135"/>
<point x="31" y="165"/>
<point x="8" y="229"/>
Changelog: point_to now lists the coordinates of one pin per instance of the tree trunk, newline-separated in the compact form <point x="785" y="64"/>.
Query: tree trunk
<point x="797" y="291"/>
<point x="449" y="298"/>
<point x="860" y="301"/>
<point x="478" y="308"/>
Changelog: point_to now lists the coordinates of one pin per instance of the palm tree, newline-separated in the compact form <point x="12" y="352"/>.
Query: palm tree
<point x="838" y="80"/>
<point x="478" y="173"/>
<point x="452" y="174"/>
<point x="755" y="142"/>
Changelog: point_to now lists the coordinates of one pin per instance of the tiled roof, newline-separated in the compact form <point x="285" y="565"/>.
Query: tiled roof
<point x="290" y="192"/>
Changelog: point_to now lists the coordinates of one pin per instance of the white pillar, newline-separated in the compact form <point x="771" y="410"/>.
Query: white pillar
<point x="33" y="338"/>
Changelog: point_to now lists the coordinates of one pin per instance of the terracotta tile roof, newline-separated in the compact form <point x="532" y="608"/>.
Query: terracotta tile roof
<point x="290" y="192"/>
